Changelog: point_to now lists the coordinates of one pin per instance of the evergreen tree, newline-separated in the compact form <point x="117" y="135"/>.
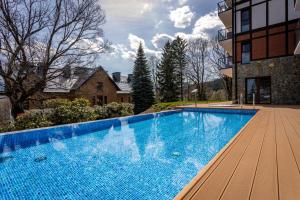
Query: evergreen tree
<point x="167" y="76"/>
<point x="179" y="47"/>
<point x="143" y="95"/>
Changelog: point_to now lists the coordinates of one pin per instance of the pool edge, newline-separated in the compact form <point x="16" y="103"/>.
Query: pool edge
<point x="87" y="122"/>
<point x="182" y="194"/>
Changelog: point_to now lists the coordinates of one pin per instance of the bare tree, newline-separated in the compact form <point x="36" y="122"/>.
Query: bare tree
<point x="39" y="37"/>
<point x="218" y="60"/>
<point x="197" y="55"/>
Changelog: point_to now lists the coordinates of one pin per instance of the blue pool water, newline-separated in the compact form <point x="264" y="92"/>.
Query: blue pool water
<point x="145" y="157"/>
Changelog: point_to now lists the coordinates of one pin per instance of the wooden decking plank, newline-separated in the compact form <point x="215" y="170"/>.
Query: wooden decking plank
<point x="216" y="183"/>
<point x="293" y="137"/>
<point x="265" y="185"/>
<point x="239" y="187"/>
<point x="288" y="174"/>
<point x="209" y="171"/>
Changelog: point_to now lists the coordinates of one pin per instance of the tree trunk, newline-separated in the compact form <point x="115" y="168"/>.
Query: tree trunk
<point x="181" y="85"/>
<point x="16" y="108"/>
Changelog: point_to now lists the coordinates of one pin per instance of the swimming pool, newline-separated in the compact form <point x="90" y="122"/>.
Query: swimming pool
<point x="150" y="156"/>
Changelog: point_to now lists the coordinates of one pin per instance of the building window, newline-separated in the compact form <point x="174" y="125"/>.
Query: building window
<point x="105" y="99"/>
<point x="246" y="53"/>
<point x="99" y="86"/>
<point x="100" y="100"/>
<point x="258" y="88"/>
<point x="122" y="100"/>
<point x="245" y="20"/>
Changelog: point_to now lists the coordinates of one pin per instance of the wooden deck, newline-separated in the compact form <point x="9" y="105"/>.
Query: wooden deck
<point x="262" y="162"/>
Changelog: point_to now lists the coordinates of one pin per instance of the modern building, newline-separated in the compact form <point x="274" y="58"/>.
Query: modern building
<point x="262" y="42"/>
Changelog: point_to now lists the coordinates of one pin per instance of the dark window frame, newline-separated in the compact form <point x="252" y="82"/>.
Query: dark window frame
<point x="246" y="22"/>
<point x="100" y="86"/>
<point x="255" y="78"/>
<point x="242" y="51"/>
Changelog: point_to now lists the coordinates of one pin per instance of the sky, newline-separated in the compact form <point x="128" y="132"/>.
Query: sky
<point x="152" y="22"/>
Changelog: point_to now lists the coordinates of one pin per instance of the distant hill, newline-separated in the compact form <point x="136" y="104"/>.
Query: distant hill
<point x="215" y="84"/>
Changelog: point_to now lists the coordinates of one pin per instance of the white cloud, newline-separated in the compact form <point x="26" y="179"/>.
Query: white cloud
<point x="207" y="23"/>
<point x="146" y="8"/>
<point x="182" y="2"/>
<point x="181" y="17"/>
<point x="159" y="40"/>
<point x="157" y="24"/>
<point x="129" y="53"/>
<point x="134" y="41"/>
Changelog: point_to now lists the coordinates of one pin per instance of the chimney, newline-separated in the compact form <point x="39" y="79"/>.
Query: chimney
<point x="67" y="72"/>
<point x="129" y="78"/>
<point x="116" y="77"/>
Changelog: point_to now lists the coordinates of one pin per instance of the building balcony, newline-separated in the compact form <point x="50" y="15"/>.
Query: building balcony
<point x="225" y="12"/>
<point x="297" y="5"/>
<point x="225" y="65"/>
<point x="225" y="39"/>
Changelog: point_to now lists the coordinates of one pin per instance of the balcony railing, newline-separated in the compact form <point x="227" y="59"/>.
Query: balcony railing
<point x="224" y="6"/>
<point x="225" y="34"/>
<point x="225" y="62"/>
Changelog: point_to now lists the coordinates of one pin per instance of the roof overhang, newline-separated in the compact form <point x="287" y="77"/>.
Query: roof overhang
<point x="124" y="92"/>
<point x="297" y="5"/>
<point x="226" y="72"/>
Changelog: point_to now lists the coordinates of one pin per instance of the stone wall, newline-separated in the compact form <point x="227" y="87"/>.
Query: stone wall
<point x="284" y="73"/>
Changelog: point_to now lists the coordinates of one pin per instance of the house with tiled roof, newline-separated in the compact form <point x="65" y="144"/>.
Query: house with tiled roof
<point x="124" y="83"/>
<point x="93" y="84"/>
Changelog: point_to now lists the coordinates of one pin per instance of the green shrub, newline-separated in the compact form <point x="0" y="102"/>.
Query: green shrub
<point x="7" y="128"/>
<point x="101" y="112"/>
<point x="113" y="110"/>
<point x="32" y="119"/>
<point x="65" y="111"/>
<point x="126" y="109"/>
<point x="54" y="103"/>
<point x="119" y="109"/>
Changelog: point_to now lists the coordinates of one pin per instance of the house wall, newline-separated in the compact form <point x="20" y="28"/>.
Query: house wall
<point x="284" y="73"/>
<point x="124" y="98"/>
<point x="89" y="89"/>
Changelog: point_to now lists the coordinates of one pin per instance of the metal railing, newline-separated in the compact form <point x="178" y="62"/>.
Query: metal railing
<point x="224" y="6"/>
<point x="225" y="34"/>
<point x="225" y="62"/>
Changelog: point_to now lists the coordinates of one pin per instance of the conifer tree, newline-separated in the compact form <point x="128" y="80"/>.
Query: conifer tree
<point x="179" y="48"/>
<point x="167" y="76"/>
<point x="143" y="95"/>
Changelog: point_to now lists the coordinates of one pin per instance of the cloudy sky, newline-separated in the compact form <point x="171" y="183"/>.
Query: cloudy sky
<point x="153" y="22"/>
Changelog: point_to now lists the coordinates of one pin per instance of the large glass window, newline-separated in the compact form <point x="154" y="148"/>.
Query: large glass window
<point x="245" y="20"/>
<point x="246" y="49"/>
<point x="258" y="88"/>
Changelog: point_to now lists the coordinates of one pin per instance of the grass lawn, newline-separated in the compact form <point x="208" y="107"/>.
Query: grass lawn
<point x="169" y="105"/>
